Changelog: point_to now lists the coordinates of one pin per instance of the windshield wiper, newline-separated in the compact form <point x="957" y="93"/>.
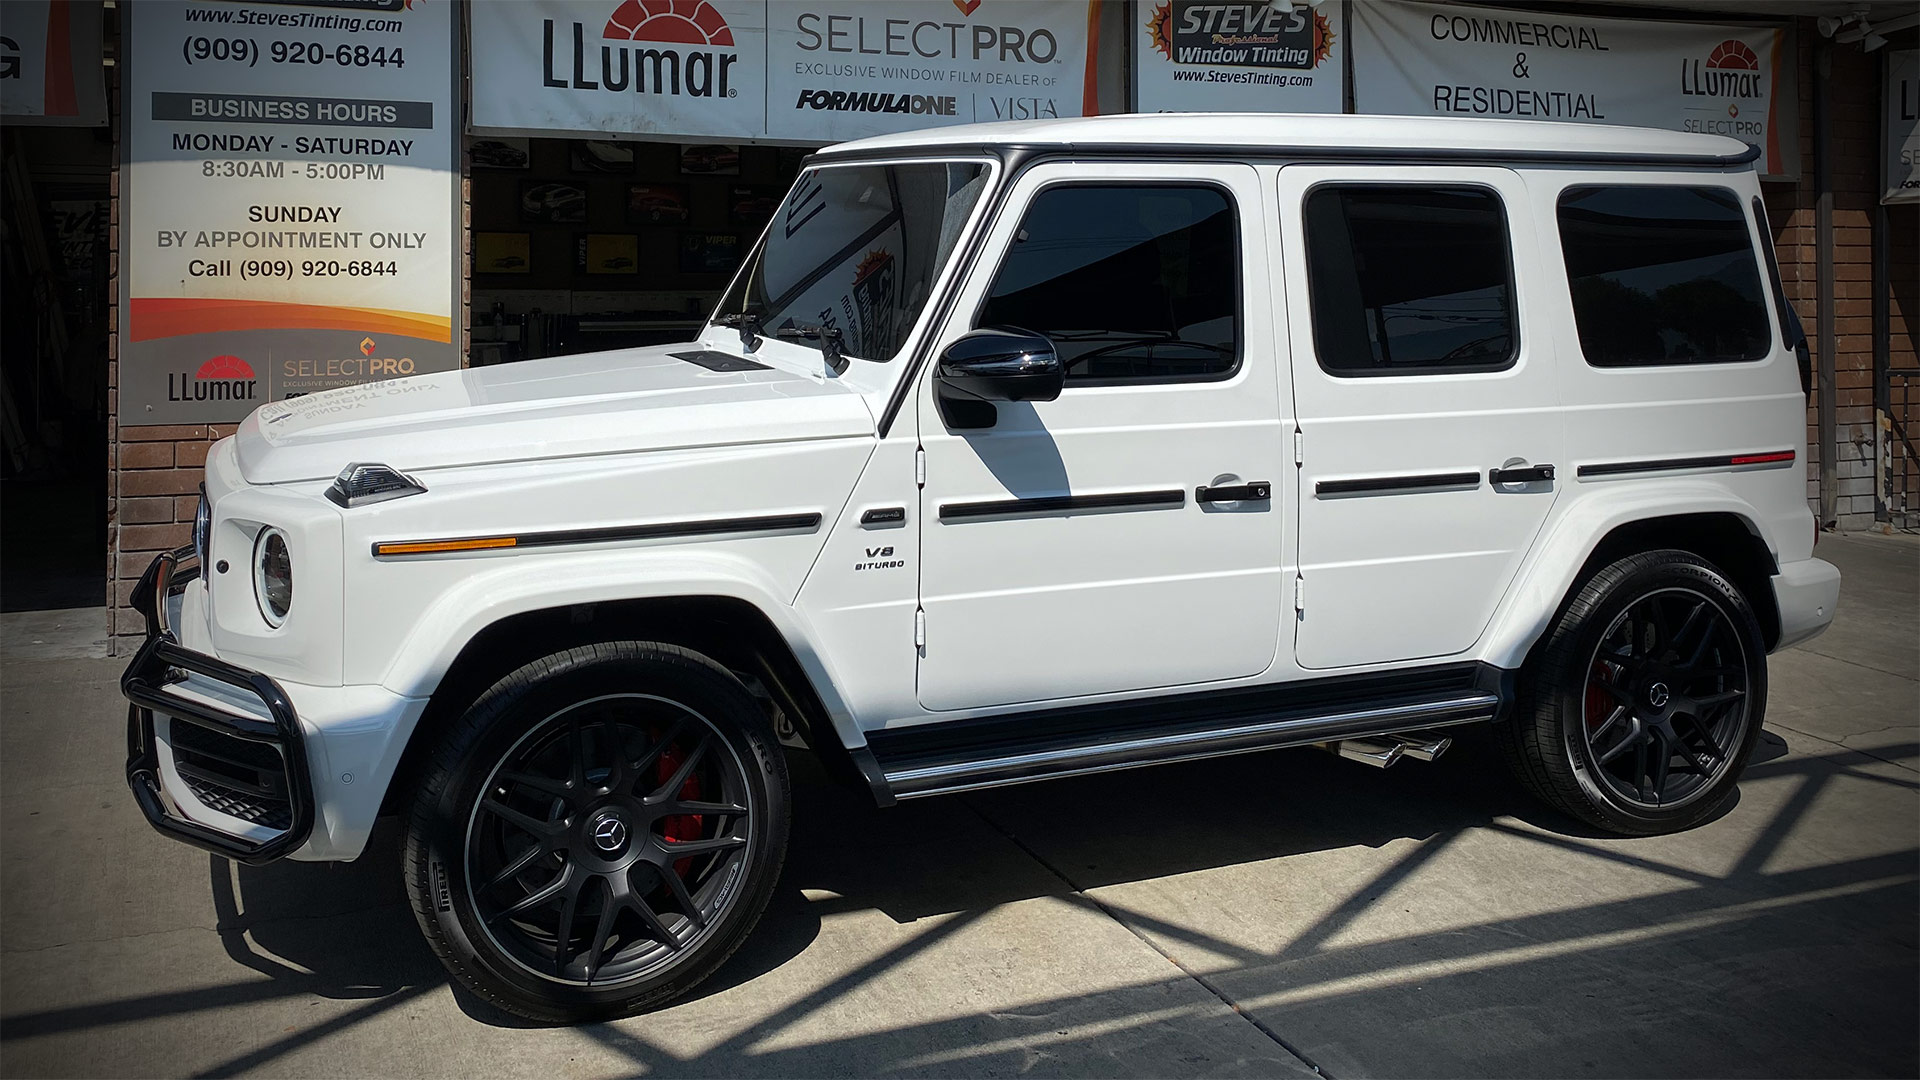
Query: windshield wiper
<point x="829" y="339"/>
<point x="748" y="324"/>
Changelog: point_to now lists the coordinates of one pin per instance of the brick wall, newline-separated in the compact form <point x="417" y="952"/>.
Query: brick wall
<point x="154" y="484"/>
<point x="1853" y="94"/>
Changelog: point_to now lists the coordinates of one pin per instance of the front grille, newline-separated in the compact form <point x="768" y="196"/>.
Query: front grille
<point x="242" y="779"/>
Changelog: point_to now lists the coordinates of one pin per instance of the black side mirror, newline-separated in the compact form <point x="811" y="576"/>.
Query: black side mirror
<point x="1002" y="364"/>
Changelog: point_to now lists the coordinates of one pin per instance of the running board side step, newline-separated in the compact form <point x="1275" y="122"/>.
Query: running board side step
<point x="1394" y="712"/>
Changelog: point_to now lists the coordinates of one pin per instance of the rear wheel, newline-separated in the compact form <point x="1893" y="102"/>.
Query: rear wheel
<point x="599" y="832"/>
<point x="1640" y="712"/>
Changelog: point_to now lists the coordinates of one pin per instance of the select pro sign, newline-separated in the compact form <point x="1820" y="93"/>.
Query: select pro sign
<point x="289" y="202"/>
<point x="807" y="71"/>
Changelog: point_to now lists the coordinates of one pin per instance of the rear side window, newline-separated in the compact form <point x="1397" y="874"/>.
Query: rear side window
<point x="1409" y="280"/>
<point x="1662" y="275"/>
<point x="1131" y="282"/>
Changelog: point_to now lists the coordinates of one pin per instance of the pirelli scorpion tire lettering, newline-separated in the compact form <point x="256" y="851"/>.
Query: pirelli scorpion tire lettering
<point x="1638" y="714"/>
<point x="599" y="831"/>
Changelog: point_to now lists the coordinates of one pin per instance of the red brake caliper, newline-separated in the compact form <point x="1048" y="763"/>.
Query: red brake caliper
<point x="681" y="826"/>
<point x="1599" y="701"/>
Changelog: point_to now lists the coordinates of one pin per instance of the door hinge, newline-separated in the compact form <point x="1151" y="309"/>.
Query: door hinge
<point x="920" y="466"/>
<point x="1299" y="594"/>
<point x="919" y="626"/>
<point x="1299" y="447"/>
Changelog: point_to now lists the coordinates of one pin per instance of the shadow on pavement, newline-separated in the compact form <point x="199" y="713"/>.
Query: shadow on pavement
<point x="1744" y="947"/>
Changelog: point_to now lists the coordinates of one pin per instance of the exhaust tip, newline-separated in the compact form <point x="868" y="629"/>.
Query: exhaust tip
<point x="1422" y="745"/>
<point x="1377" y="753"/>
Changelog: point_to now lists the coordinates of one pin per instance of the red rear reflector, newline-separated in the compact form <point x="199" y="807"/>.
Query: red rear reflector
<point x="1762" y="459"/>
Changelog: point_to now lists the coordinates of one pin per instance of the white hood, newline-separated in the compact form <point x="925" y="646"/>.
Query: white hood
<point x="599" y="403"/>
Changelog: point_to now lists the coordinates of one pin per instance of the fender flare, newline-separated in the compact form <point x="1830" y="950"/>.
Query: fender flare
<point x="1550" y="572"/>
<point x="459" y="615"/>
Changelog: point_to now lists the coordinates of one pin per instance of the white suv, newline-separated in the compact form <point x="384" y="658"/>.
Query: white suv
<point x="1014" y="451"/>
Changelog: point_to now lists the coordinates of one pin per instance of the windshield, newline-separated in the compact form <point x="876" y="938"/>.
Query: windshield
<point x="856" y="249"/>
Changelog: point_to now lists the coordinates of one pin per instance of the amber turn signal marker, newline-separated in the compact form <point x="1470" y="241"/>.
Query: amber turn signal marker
<point x="429" y="547"/>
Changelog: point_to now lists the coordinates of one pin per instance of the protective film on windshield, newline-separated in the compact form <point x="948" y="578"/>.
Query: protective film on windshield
<point x="857" y="249"/>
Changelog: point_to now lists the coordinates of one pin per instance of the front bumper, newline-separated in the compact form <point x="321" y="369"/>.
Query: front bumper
<point x="232" y="741"/>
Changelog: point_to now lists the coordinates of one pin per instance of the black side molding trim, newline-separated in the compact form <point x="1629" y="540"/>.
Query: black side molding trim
<point x="1772" y="459"/>
<point x="1168" y="499"/>
<point x="1383" y="485"/>
<point x="662" y="530"/>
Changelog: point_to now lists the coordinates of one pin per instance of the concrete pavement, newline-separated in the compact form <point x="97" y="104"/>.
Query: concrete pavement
<point x="1262" y="915"/>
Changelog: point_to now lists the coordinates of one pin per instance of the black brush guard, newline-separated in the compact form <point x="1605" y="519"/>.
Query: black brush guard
<point x="163" y="661"/>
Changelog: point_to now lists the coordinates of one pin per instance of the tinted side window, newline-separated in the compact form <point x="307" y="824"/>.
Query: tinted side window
<point x="1662" y="275"/>
<point x="1409" y="280"/>
<point x="1130" y="281"/>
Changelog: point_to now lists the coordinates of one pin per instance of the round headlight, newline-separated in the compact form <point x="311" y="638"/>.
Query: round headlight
<point x="273" y="575"/>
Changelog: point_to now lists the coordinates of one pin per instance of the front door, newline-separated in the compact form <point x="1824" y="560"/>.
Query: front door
<point x="1066" y="548"/>
<point x="1426" y="402"/>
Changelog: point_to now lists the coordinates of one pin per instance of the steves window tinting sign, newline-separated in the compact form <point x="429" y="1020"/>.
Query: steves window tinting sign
<point x="1239" y="56"/>
<point x="805" y="71"/>
<point x="1430" y="60"/>
<point x="290" y="202"/>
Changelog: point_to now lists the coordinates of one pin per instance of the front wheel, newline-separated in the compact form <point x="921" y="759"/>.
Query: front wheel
<point x="598" y="832"/>
<point x="1639" y="713"/>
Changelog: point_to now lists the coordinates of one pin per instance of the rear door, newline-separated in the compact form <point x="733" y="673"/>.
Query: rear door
<point x="1426" y="400"/>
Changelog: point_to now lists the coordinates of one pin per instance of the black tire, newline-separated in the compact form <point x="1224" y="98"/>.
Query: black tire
<point x="591" y="765"/>
<point x="1657" y="654"/>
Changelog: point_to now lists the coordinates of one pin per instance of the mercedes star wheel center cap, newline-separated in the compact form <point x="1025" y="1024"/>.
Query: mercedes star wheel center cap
<point x="1658" y="695"/>
<point x="609" y="834"/>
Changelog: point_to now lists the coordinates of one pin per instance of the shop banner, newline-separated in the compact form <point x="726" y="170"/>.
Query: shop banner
<point x="290" y="211"/>
<point x="631" y="67"/>
<point x="1246" y="56"/>
<point x="1429" y="60"/>
<point x="50" y="69"/>
<point x="844" y="69"/>
<point x="804" y="71"/>
<point x="1902" y="137"/>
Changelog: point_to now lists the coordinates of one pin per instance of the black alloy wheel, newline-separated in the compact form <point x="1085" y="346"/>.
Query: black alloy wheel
<point x="1666" y="703"/>
<point x="609" y="839"/>
<point x="1638" y="711"/>
<point x="599" y="831"/>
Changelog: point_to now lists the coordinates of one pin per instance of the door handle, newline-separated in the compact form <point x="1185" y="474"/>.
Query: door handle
<point x="1251" y="491"/>
<point x="1529" y="474"/>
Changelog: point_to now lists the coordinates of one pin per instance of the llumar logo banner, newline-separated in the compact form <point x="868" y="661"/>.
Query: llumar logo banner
<point x="1731" y="70"/>
<point x="671" y="47"/>
<point x="1273" y="33"/>
<point x="220" y="378"/>
<point x="796" y="70"/>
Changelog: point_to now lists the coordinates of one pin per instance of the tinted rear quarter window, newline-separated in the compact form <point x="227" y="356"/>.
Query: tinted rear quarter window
<point x="1409" y="280"/>
<point x="1662" y="275"/>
